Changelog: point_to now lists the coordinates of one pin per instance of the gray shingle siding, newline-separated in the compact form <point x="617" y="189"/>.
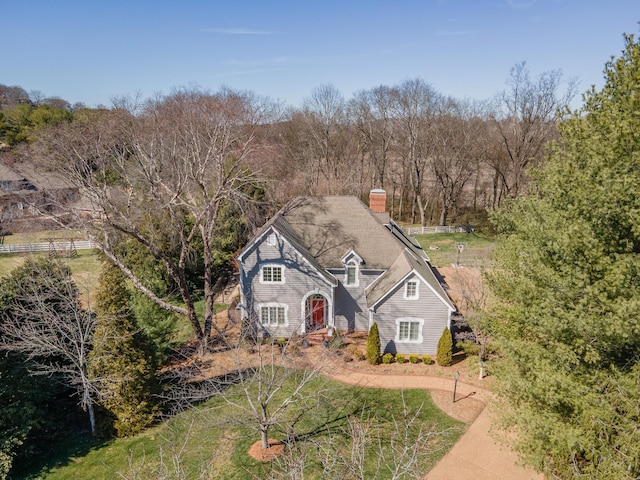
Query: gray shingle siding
<point x="427" y="307"/>
<point x="299" y="280"/>
<point x="351" y="312"/>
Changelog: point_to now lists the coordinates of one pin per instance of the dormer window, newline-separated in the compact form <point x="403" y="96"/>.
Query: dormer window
<point x="351" y="263"/>
<point x="351" y="276"/>
<point x="411" y="290"/>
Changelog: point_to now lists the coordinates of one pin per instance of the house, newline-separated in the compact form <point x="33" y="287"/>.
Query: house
<point x="30" y="194"/>
<point x="334" y="262"/>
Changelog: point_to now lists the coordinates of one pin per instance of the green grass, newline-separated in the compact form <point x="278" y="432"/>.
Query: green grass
<point x="210" y="438"/>
<point x="85" y="268"/>
<point x="42" y="236"/>
<point x="442" y="248"/>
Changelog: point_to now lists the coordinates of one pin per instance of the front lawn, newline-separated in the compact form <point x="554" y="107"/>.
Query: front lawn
<point x="212" y="440"/>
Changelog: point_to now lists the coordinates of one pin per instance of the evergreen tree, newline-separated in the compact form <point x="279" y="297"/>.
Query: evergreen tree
<point x="445" y="348"/>
<point x="121" y="362"/>
<point x="373" y="345"/>
<point x="35" y="410"/>
<point x="567" y="288"/>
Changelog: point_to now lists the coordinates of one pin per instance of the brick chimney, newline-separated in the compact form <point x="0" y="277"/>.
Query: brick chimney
<point x="378" y="200"/>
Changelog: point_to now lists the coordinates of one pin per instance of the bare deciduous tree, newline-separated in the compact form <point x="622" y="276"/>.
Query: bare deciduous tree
<point x="417" y="104"/>
<point x="473" y="295"/>
<point x="458" y="149"/>
<point x="525" y="120"/>
<point x="261" y="404"/>
<point x="160" y="174"/>
<point x="45" y="321"/>
<point x="372" y="115"/>
<point x="326" y="133"/>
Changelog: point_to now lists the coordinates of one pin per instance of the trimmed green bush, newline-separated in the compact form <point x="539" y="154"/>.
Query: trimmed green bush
<point x="122" y="362"/>
<point x="373" y="345"/>
<point x="413" y="358"/>
<point x="445" y="348"/>
<point x="400" y="357"/>
<point x="387" y="358"/>
<point x="468" y="347"/>
<point x="427" y="360"/>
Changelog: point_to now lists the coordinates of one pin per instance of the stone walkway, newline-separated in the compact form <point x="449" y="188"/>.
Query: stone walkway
<point x="476" y="455"/>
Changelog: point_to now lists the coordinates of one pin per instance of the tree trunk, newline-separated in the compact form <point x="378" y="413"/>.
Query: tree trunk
<point x="444" y="213"/>
<point x="264" y="435"/>
<point x="481" y="351"/>
<point x="92" y="418"/>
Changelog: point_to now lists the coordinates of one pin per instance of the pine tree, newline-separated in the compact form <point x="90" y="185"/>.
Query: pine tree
<point x="373" y="345"/>
<point x="445" y="348"/>
<point x="567" y="283"/>
<point x="121" y="362"/>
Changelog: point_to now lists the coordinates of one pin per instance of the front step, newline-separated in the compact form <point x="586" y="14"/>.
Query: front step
<point x="316" y="337"/>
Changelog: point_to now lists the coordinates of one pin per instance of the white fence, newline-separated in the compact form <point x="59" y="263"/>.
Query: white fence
<point x="441" y="229"/>
<point x="63" y="246"/>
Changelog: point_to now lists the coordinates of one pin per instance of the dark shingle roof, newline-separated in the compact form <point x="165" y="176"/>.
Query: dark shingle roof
<point x="331" y="226"/>
<point x="324" y="229"/>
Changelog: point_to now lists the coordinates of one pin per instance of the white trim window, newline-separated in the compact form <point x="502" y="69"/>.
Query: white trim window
<point x="409" y="330"/>
<point x="271" y="239"/>
<point x="273" y="314"/>
<point x="411" y="290"/>
<point x="351" y="274"/>
<point x="272" y="274"/>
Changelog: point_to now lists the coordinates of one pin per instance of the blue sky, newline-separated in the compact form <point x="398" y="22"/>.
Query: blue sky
<point x="90" y="51"/>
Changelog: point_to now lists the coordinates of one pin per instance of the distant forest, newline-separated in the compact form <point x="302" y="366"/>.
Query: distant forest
<point x="442" y="160"/>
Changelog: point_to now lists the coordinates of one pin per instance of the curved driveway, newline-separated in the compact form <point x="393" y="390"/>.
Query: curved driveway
<point x="476" y="455"/>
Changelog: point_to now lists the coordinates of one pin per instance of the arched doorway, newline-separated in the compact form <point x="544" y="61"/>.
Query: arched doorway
<point x="315" y="312"/>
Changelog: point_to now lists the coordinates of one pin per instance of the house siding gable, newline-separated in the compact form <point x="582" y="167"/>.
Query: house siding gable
<point x="428" y="307"/>
<point x="351" y="312"/>
<point x="300" y="278"/>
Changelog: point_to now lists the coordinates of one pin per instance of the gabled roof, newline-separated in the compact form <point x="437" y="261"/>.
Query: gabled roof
<point x="405" y="265"/>
<point x="277" y="224"/>
<point x="326" y="229"/>
<point x="9" y="175"/>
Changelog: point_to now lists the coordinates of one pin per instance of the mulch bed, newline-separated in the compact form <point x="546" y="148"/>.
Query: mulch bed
<point x="276" y="447"/>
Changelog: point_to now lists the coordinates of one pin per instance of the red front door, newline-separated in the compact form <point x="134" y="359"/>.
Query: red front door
<point x="317" y="311"/>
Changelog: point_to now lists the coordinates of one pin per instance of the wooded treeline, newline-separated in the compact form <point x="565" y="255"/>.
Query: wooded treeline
<point x="442" y="160"/>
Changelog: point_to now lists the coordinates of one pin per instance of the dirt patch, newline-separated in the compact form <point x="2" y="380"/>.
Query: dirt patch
<point x="275" y="449"/>
<point x="462" y="283"/>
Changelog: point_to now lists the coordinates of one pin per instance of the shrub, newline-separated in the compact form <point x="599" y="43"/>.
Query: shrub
<point x="373" y="345"/>
<point x="351" y="348"/>
<point x="468" y="347"/>
<point x="281" y="342"/>
<point x="445" y="347"/>
<point x="122" y="362"/>
<point x="400" y="357"/>
<point x="387" y="358"/>
<point x="358" y="354"/>
<point x="413" y="358"/>
<point x="336" y="340"/>
<point x="427" y="360"/>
